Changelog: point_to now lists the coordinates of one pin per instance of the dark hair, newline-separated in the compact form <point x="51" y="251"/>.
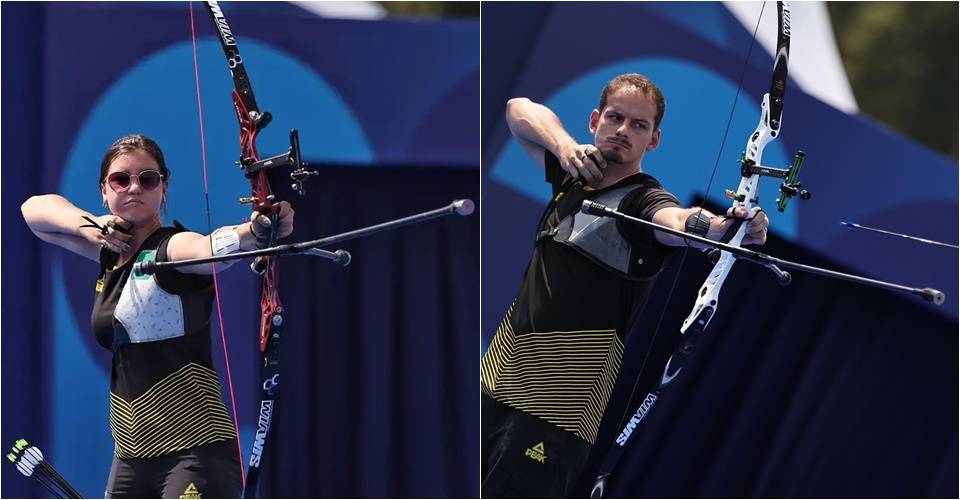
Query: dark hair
<point x="643" y="85"/>
<point x="130" y="143"/>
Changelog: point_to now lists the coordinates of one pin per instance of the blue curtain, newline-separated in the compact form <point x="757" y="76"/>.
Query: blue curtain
<point x="379" y="397"/>
<point x="822" y="389"/>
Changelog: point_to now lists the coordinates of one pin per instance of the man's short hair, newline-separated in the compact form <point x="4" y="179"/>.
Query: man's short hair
<point x="643" y="85"/>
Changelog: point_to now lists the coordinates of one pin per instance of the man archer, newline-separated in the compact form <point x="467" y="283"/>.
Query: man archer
<point x="549" y="371"/>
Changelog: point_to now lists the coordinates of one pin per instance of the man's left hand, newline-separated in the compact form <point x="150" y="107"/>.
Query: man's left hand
<point x="756" y="229"/>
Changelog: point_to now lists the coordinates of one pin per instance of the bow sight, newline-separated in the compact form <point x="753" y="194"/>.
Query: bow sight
<point x="291" y="158"/>
<point x="788" y="189"/>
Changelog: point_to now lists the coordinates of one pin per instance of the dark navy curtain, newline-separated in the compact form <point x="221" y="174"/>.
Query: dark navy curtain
<point x="24" y="338"/>
<point x="822" y="389"/>
<point x="379" y="359"/>
<point x="380" y="375"/>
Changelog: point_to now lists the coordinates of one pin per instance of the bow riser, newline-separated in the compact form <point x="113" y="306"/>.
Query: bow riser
<point x="763" y="135"/>
<point x="747" y="196"/>
<point x="708" y="297"/>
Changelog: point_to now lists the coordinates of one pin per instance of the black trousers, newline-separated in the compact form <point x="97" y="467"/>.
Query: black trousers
<point x="208" y="471"/>
<point x="523" y="456"/>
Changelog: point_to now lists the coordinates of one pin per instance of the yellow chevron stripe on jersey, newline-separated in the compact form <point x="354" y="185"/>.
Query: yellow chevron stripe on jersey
<point x="564" y="377"/>
<point x="181" y="411"/>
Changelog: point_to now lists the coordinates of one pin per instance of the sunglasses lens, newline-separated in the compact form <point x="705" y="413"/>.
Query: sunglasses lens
<point x="119" y="181"/>
<point x="150" y="180"/>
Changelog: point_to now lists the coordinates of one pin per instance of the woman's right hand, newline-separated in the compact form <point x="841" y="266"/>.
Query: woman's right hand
<point x="114" y="239"/>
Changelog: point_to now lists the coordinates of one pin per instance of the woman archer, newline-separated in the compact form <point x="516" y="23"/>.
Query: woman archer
<point x="173" y="435"/>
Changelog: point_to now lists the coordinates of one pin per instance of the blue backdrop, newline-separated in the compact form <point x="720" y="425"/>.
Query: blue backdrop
<point x="378" y="357"/>
<point x="798" y="391"/>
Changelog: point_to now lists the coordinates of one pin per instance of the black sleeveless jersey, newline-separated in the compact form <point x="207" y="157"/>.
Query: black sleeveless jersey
<point x="164" y="392"/>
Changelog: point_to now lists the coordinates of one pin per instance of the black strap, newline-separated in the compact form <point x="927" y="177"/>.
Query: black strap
<point x="103" y="229"/>
<point x="697" y="224"/>
<point x="732" y="230"/>
<point x="93" y="224"/>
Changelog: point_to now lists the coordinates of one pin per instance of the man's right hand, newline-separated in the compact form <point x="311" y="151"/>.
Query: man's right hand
<point x="583" y="161"/>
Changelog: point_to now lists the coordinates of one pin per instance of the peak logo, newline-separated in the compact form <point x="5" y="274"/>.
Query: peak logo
<point x="191" y="493"/>
<point x="536" y="453"/>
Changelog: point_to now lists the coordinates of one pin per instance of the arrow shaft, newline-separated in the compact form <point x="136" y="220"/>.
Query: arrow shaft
<point x="928" y="294"/>
<point x="900" y="235"/>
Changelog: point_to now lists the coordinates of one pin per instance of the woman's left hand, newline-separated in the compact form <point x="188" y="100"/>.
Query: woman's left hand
<point x="260" y="223"/>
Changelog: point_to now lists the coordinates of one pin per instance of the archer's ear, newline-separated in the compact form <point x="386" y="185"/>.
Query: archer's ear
<point x="594" y="120"/>
<point x="654" y="141"/>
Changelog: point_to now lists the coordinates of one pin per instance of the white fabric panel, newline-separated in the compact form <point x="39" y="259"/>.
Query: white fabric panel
<point x="147" y="312"/>
<point x="815" y="64"/>
<point x="344" y="10"/>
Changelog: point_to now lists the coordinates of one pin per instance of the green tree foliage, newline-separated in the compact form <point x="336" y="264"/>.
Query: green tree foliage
<point x="901" y="59"/>
<point x="433" y="9"/>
